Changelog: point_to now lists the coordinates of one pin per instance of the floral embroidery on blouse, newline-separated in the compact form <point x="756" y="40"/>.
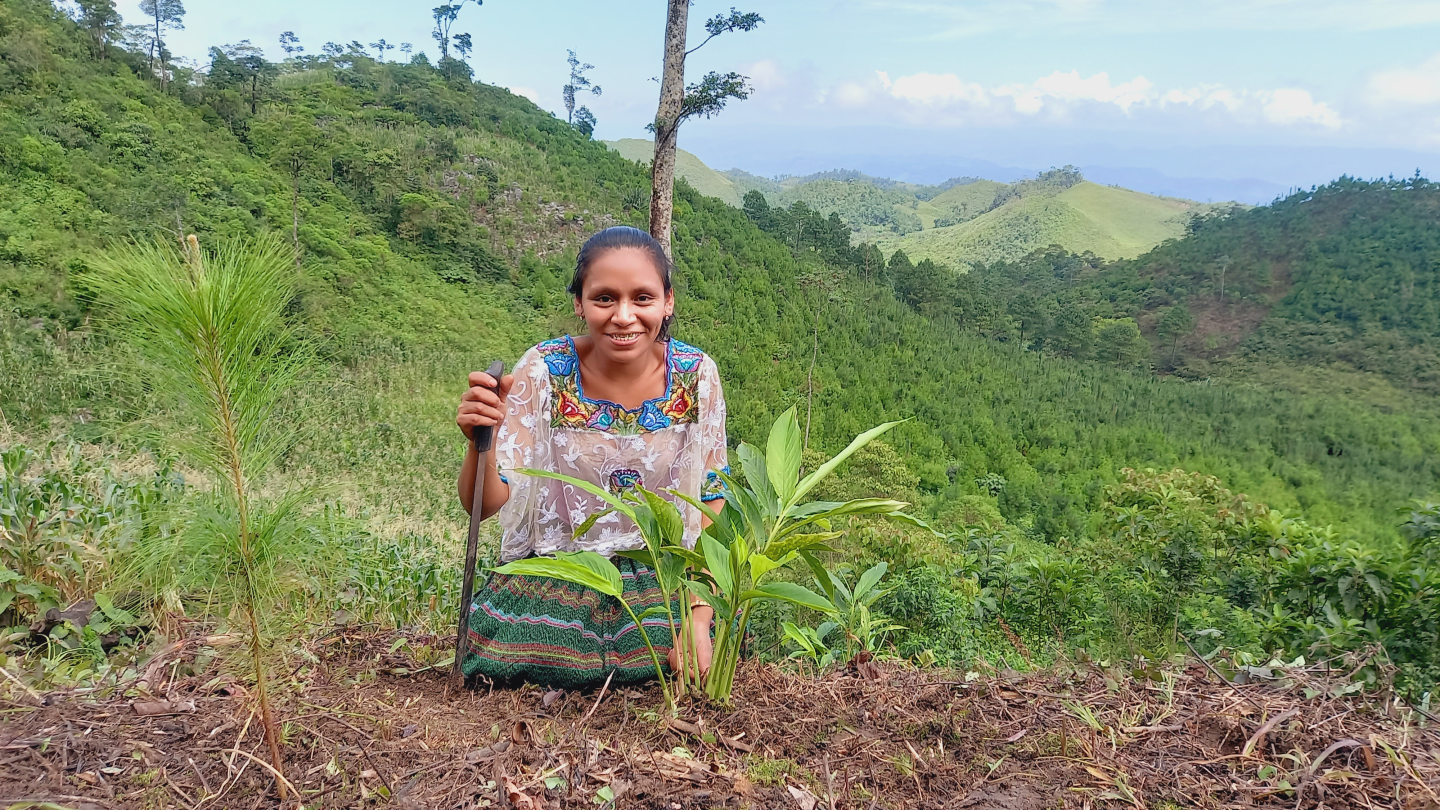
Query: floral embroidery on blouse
<point x="625" y="481"/>
<point x="714" y="487"/>
<point x="569" y="407"/>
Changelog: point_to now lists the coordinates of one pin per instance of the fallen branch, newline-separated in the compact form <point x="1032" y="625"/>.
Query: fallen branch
<point x="694" y="730"/>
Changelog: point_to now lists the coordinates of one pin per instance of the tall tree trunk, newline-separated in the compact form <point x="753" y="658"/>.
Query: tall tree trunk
<point x="667" y="123"/>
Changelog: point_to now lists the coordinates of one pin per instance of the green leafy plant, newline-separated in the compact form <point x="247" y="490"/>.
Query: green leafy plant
<point x="851" y="610"/>
<point x="812" y="643"/>
<point x="767" y="523"/>
<point x="212" y="334"/>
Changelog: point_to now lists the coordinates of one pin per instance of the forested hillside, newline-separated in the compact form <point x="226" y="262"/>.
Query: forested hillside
<point x="436" y="219"/>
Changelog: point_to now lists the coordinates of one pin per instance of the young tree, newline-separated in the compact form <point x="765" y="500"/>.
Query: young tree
<point x="100" y="19"/>
<point x="166" y="15"/>
<point x="1177" y="323"/>
<point x="578" y="84"/>
<point x="381" y="47"/>
<point x="678" y="103"/>
<point x="212" y="336"/>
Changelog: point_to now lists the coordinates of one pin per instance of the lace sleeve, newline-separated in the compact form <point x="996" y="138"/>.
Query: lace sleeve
<point x="523" y="441"/>
<point x="712" y="431"/>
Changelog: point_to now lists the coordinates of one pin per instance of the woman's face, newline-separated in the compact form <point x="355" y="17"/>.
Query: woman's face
<point x="624" y="303"/>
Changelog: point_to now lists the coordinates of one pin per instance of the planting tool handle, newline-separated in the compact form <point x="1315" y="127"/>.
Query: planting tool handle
<point x="484" y="439"/>
<point x="484" y="436"/>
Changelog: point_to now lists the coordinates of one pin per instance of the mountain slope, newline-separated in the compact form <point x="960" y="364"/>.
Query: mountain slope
<point x="1112" y="223"/>
<point x="706" y="180"/>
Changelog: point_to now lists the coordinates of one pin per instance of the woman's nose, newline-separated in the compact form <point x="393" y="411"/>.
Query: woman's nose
<point x="625" y="312"/>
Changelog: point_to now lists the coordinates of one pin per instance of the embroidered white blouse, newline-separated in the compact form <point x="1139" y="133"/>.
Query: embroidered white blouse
<point x="675" y="441"/>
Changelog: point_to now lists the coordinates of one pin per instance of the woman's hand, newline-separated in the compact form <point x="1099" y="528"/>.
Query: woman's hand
<point x="483" y="403"/>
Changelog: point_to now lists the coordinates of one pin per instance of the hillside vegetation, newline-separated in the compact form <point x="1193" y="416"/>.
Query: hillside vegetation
<point x="436" y="221"/>
<point x="702" y="178"/>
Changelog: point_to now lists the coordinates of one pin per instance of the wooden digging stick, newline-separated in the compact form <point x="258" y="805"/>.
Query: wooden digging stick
<point x="483" y="437"/>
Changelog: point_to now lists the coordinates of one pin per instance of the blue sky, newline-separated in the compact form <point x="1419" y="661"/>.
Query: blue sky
<point x="1259" y="94"/>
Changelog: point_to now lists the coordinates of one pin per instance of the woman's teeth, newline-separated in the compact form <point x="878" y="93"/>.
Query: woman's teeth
<point x="630" y="338"/>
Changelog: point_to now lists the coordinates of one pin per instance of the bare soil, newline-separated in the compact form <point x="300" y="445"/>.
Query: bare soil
<point x="358" y="735"/>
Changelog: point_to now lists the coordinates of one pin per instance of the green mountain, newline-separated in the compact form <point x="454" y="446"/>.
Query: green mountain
<point x="1110" y="222"/>
<point x="436" y="222"/>
<point x="706" y="180"/>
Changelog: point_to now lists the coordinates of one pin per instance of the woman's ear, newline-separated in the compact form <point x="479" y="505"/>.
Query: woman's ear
<point x="669" y="303"/>
<point x="579" y="310"/>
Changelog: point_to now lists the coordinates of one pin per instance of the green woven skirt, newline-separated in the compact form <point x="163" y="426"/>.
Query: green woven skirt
<point x="556" y="634"/>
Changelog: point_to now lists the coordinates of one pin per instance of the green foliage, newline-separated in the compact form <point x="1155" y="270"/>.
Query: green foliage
<point x="212" y="336"/>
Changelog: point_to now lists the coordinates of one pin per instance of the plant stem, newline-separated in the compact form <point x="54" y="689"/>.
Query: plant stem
<point x="659" y="672"/>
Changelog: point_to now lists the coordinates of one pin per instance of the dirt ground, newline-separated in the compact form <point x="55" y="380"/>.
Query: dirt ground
<point x="357" y="734"/>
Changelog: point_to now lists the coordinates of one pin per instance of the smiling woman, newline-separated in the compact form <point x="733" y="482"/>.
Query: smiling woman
<point x="622" y="407"/>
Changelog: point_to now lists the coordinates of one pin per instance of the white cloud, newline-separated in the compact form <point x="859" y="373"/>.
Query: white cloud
<point x="947" y="98"/>
<point x="1417" y="85"/>
<point x="931" y="88"/>
<point x="1289" y="105"/>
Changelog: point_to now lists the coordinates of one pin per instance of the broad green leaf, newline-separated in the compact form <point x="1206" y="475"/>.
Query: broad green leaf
<point x="672" y="568"/>
<point x="906" y="517"/>
<point x="642" y="556"/>
<point x="760" y="565"/>
<point x="870" y="579"/>
<point x="603" y="494"/>
<point x="757" y="475"/>
<point x="824" y="470"/>
<point x="6" y="597"/>
<point x="566" y="571"/>
<point x="6" y="575"/>
<point x="790" y="592"/>
<point x="782" y="456"/>
<point x="860" y="506"/>
<point x="822" y="575"/>
<point x="667" y="518"/>
<point x="658" y="610"/>
<point x="794" y="633"/>
<point x="597" y="563"/>
<point x="794" y="542"/>
<point x="717" y="562"/>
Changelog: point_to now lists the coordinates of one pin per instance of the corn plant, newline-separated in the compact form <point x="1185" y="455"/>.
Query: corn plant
<point x="212" y="336"/>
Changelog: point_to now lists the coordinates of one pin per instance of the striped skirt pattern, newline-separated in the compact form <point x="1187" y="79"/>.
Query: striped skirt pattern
<point x="556" y="634"/>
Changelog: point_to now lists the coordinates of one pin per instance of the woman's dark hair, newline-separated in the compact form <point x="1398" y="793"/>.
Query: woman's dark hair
<point x="622" y="236"/>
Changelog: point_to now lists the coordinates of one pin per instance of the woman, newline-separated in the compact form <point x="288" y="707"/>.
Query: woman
<point x="622" y="406"/>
